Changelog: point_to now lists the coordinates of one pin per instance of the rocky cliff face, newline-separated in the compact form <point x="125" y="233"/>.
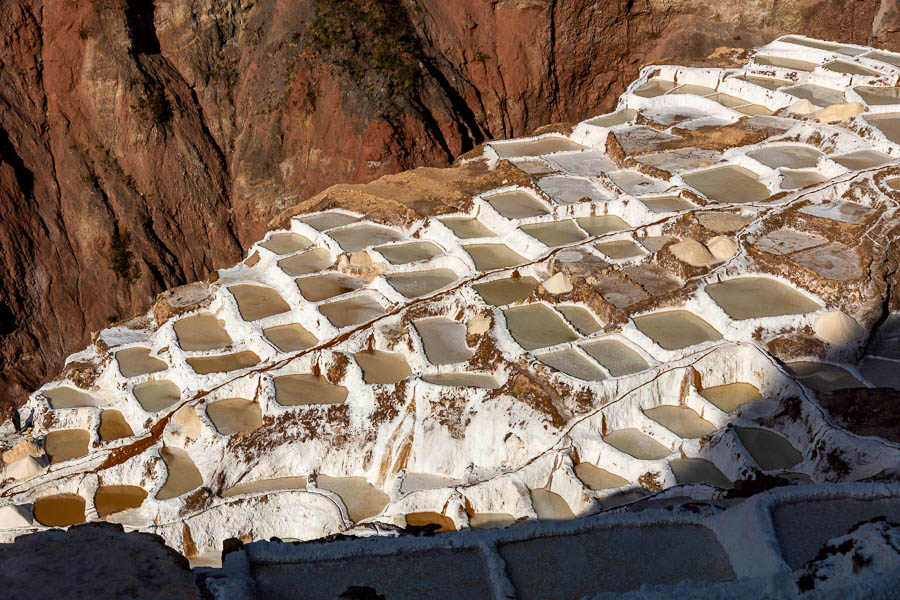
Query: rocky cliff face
<point x="144" y="144"/>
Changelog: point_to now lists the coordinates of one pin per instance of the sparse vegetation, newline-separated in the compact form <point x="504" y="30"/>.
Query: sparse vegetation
<point x="121" y="258"/>
<point x="369" y="36"/>
<point x="153" y="107"/>
<point x="92" y="180"/>
<point x="83" y="33"/>
<point x="481" y="57"/>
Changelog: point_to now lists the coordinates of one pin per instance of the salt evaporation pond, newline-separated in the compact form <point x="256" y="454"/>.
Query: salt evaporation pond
<point x="755" y="297"/>
<point x="257" y="301"/>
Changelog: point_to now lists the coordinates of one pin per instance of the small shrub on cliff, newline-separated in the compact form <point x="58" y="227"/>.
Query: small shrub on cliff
<point x="83" y="33"/>
<point x="368" y="36"/>
<point x="121" y="258"/>
<point x="153" y="107"/>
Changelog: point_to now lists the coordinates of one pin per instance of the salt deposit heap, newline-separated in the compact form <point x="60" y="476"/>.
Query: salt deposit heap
<point x="690" y="292"/>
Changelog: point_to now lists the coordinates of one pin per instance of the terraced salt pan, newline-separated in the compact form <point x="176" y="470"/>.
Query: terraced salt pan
<point x="586" y="163"/>
<point x="257" y="302"/>
<point x="360" y="497"/>
<point x="65" y="444"/>
<point x="618" y="358"/>
<point x="59" y="510"/>
<point x="637" y="444"/>
<point x="262" y="486"/>
<point x="823" y="377"/>
<point x="157" y="394"/>
<point x="569" y="190"/>
<point x="665" y="204"/>
<point x="614" y="560"/>
<point x="731" y="184"/>
<point x="619" y="249"/>
<point x="137" y="361"/>
<point x="696" y="90"/>
<point x="466" y="228"/>
<point x="360" y="440"/>
<point x="571" y="362"/>
<point x="619" y="117"/>
<point x="682" y="159"/>
<point x="491" y="520"/>
<point x="756" y="297"/>
<point x="302" y="389"/>
<point x="534" y="166"/>
<point x="794" y="157"/>
<point x="234" y="415"/>
<point x="653" y="88"/>
<point x="536" y="326"/>
<point x="501" y="292"/>
<point x="466" y="379"/>
<point x="878" y="96"/>
<point x="681" y="420"/>
<point x="382" y="367"/>
<point x="430" y="518"/>
<point x="581" y="318"/>
<point x="223" y="363"/>
<point x="113" y="426"/>
<point x="69" y="397"/>
<point x="286" y="243"/>
<point x="635" y="182"/>
<point x="769" y="83"/>
<point x="328" y="220"/>
<point x="425" y="481"/>
<point x="698" y="470"/>
<point x="354" y="238"/>
<point x="785" y="63"/>
<point x="887" y="123"/>
<point x="640" y="139"/>
<point x="290" y="337"/>
<point x="110" y="499"/>
<point x="862" y="159"/>
<point x="880" y="372"/>
<point x="598" y="479"/>
<point x="313" y="261"/>
<point x="316" y="288"/>
<point x="603" y="224"/>
<point x="676" y="329"/>
<point x="730" y="396"/>
<point x="550" y="506"/>
<point x="786" y="241"/>
<point x="770" y="451"/>
<point x="444" y="340"/>
<point x="885" y="57"/>
<point x="849" y="68"/>
<point x="537" y="147"/>
<point x="843" y="211"/>
<point x="517" y="204"/>
<point x="182" y="475"/>
<point x="555" y="233"/>
<point x="201" y="332"/>
<point x="352" y="311"/>
<point x="795" y="180"/>
<point x="420" y="283"/>
<point x="820" y="45"/>
<point x="402" y="254"/>
<point x="488" y="257"/>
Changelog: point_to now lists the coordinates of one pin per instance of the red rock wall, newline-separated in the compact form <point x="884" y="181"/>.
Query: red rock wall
<point x="189" y="123"/>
